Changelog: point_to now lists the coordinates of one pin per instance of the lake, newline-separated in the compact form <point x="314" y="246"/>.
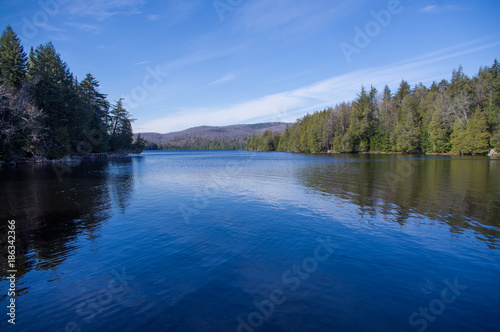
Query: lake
<point x="254" y="241"/>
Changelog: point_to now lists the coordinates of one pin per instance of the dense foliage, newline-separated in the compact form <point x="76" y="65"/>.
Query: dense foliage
<point x="45" y="111"/>
<point x="460" y="117"/>
<point x="199" y="143"/>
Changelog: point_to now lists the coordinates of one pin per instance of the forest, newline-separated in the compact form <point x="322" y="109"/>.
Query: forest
<point x="199" y="143"/>
<point x="46" y="112"/>
<point x="461" y="116"/>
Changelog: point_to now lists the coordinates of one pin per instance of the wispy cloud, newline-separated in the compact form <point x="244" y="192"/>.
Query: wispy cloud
<point x="225" y="78"/>
<point x="52" y="28"/>
<point x="264" y="16"/>
<point x="84" y="27"/>
<point x="154" y="17"/>
<point x="141" y="63"/>
<point x="200" y="55"/>
<point x="429" y="9"/>
<point x="288" y="105"/>
<point x="433" y="9"/>
<point x="177" y="11"/>
<point x="104" y="9"/>
<point x="61" y="37"/>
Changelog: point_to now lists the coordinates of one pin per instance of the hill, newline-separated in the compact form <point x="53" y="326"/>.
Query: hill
<point x="210" y="137"/>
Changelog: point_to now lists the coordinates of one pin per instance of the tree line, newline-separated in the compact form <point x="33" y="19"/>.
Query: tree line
<point x="45" y="111"/>
<point x="199" y="143"/>
<point x="461" y="116"/>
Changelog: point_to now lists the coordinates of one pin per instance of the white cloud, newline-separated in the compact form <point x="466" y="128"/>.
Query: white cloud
<point x="173" y="12"/>
<point x="264" y="16"/>
<point x="200" y="55"/>
<point x="225" y="78"/>
<point x="429" y="9"/>
<point x="153" y="17"/>
<point x="432" y="9"/>
<point x="104" y="9"/>
<point x="84" y="27"/>
<point x="52" y="28"/>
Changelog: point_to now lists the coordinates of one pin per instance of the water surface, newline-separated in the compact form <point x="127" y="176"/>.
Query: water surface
<point x="248" y="241"/>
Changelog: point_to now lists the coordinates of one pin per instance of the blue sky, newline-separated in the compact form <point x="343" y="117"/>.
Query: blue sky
<point x="184" y="63"/>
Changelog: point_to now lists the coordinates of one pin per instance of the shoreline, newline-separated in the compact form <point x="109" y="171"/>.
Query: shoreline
<point x="491" y="154"/>
<point x="66" y="159"/>
<point x="114" y="155"/>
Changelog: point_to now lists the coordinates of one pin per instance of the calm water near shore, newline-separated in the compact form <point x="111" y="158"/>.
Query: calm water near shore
<point x="254" y="241"/>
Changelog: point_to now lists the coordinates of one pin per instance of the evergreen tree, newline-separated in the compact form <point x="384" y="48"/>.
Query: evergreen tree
<point x="386" y="124"/>
<point x="472" y="138"/>
<point x="439" y="136"/>
<point x="12" y="59"/>
<point x="362" y="124"/>
<point x="96" y="107"/>
<point x="409" y="127"/>
<point x="45" y="110"/>
<point x="403" y="91"/>
<point x="436" y="119"/>
<point x="55" y="94"/>
<point x="120" y="128"/>
<point x="477" y="133"/>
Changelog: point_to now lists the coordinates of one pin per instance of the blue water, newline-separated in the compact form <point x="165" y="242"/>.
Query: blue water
<point x="249" y="241"/>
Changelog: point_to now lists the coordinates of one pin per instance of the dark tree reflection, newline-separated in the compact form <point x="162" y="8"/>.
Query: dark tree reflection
<point x="461" y="192"/>
<point x="52" y="212"/>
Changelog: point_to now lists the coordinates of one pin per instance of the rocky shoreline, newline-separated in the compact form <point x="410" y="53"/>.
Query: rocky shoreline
<point x="67" y="159"/>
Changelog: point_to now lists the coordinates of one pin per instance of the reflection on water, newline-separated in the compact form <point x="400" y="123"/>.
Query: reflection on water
<point x="108" y="246"/>
<point x="463" y="193"/>
<point x="51" y="212"/>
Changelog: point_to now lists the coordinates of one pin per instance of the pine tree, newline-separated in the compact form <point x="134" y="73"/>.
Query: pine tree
<point x="403" y="91"/>
<point x="120" y="128"/>
<point x="12" y="59"/>
<point x="362" y="121"/>
<point x="96" y="107"/>
<point x="438" y="135"/>
<point x="387" y="123"/>
<point x="55" y="93"/>
<point x="409" y="128"/>
<point x="478" y="134"/>
<point x="473" y="138"/>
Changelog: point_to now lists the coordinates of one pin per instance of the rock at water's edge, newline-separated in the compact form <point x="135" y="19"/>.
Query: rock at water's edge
<point x="493" y="153"/>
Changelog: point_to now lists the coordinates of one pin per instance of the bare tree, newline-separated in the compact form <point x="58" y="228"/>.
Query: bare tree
<point x="21" y="126"/>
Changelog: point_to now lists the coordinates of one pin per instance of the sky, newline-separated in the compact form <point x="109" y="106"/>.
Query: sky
<point x="185" y="63"/>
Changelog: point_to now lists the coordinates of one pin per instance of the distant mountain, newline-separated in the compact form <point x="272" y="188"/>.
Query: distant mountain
<point x="209" y="134"/>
